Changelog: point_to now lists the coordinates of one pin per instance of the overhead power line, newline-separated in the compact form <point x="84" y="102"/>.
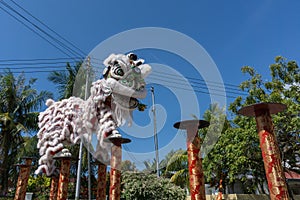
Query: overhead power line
<point x="54" y="41"/>
<point x="38" y="63"/>
<point x="197" y="90"/>
<point x="195" y="86"/>
<point x="79" y="51"/>
<point x="31" y="72"/>
<point x="44" y="38"/>
<point x="156" y="73"/>
<point x="49" y="28"/>
<point x="38" y="59"/>
<point x="40" y="29"/>
<point x="192" y="79"/>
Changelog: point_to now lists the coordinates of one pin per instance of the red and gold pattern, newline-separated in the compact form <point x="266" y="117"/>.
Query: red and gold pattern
<point x="63" y="182"/>
<point x="115" y="173"/>
<point x="23" y="180"/>
<point x="271" y="157"/>
<point x="196" y="176"/>
<point x="54" y="188"/>
<point x="101" y="187"/>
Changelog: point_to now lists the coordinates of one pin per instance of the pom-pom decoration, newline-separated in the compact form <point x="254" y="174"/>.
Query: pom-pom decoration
<point x="110" y="104"/>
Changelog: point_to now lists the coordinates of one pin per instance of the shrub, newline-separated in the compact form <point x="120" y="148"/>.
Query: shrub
<point x="139" y="186"/>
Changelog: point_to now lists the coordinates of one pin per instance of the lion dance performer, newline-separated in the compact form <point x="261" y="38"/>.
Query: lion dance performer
<point x="110" y="105"/>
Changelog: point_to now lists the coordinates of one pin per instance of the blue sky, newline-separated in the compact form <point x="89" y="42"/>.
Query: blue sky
<point x="233" y="33"/>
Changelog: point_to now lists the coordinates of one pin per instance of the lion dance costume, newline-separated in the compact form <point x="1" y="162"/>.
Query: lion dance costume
<point x="110" y="104"/>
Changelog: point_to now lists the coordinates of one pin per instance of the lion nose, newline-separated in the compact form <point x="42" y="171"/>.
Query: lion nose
<point x="142" y="87"/>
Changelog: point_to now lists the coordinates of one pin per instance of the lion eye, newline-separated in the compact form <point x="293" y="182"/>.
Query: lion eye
<point x="137" y="70"/>
<point x="118" y="71"/>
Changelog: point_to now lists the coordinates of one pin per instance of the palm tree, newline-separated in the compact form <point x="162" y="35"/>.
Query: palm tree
<point x="18" y="105"/>
<point x="177" y="169"/>
<point x="150" y="166"/>
<point x="65" y="80"/>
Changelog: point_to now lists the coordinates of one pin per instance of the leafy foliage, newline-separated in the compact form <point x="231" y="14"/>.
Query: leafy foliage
<point x="127" y="165"/>
<point x="65" y="80"/>
<point x="284" y="87"/>
<point x="237" y="155"/>
<point x="40" y="186"/>
<point x="147" y="186"/>
<point x="177" y="169"/>
<point x="18" y="103"/>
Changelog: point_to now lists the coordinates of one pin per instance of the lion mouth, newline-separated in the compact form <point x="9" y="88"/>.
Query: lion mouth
<point x="126" y="102"/>
<point x="122" y="90"/>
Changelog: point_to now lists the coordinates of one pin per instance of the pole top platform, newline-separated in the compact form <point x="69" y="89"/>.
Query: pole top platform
<point x="64" y="154"/>
<point x="254" y="109"/>
<point x="117" y="140"/>
<point x="188" y="123"/>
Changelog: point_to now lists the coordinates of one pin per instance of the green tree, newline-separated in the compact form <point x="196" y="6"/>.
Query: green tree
<point x="19" y="102"/>
<point x="177" y="169"/>
<point x="127" y="165"/>
<point x="150" y="166"/>
<point x="283" y="87"/>
<point x="40" y="186"/>
<point x="65" y="80"/>
<point x="237" y="152"/>
<point x="148" y="186"/>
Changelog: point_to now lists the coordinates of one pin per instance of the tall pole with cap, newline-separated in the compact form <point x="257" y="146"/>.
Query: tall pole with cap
<point x="23" y="179"/>
<point x="269" y="146"/>
<point x="115" y="165"/>
<point x="63" y="182"/>
<point x="193" y="141"/>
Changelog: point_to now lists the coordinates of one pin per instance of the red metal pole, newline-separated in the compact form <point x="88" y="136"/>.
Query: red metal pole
<point x="101" y="186"/>
<point x="196" y="177"/>
<point x="269" y="147"/>
<point x="115" y="173"/>
<point x="115" y="163"/>
<point x="63" y="182"/>
<point x="54" y="187"/>
<point x="23" y="179"/>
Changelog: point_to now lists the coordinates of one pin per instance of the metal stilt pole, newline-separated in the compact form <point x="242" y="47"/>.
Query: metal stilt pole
<point x="269" y="146"/>
<point x="23" y="179"/>
<point x="196" y="176"/>
<point x="115" y="164"/>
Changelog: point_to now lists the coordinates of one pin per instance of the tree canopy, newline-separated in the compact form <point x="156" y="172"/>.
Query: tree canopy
<point x="19" y="104"/>
<point x="237" y="155"/>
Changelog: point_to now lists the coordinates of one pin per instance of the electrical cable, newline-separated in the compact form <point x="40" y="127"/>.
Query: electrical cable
<point x="195" y="86"/>
<point x="35" y="32"/>
<point x="38" y="59"/>
<point x="40" y="29"/>
<point x="53" y="31"/>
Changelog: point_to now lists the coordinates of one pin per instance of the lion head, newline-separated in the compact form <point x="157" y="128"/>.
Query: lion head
<point x="125" y="76"/>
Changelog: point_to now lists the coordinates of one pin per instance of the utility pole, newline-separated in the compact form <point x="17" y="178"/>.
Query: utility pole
<point x="89" y="136"/>
<point x="77" y="192"/>
<point x="155" y="132"/>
